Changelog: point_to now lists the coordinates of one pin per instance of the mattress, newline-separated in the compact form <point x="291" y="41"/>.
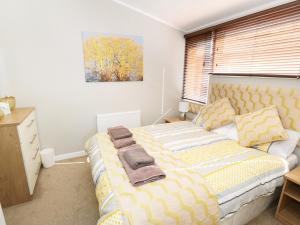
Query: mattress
<point x="229" y="208"/>
<point x="211" y="153"/>
<point x="253" y="208"/>
<point x="254" y="173"/>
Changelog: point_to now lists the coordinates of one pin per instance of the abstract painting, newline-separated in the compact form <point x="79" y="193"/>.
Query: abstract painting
<point x="112" y="57"/>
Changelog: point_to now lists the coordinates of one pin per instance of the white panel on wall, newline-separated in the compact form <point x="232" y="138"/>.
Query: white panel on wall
<point x="129" y="119"/>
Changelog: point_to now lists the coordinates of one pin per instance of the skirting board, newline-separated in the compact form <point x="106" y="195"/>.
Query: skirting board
<point x="70" y="155"/>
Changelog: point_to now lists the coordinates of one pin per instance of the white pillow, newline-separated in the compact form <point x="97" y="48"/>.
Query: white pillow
<point x="287" y="147"/>
<point x="280" y="148"/>
<point x="228" y="130"/>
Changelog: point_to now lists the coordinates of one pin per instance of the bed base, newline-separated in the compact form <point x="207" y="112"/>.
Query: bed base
<point x="251" y="210"/>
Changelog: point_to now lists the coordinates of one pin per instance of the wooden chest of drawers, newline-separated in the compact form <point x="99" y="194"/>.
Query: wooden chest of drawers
<point x="19" y="156"/>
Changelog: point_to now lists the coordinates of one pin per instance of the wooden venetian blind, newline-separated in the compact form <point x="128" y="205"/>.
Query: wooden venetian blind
<point x="266" y="44"/>
<point x="198" y="65"/>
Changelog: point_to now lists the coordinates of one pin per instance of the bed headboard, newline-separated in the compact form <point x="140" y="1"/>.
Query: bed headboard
<point x="248" y="98"/>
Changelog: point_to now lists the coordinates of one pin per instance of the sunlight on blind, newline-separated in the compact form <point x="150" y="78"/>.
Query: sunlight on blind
<point x="267" y="43"/>
<point x="198" y="65"/>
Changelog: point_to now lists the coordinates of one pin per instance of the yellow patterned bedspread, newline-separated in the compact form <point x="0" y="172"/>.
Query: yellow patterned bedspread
<point x="198" y="179"/>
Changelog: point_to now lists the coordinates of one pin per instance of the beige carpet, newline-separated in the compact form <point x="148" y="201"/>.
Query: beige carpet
<point x="266" y="218"/>
<point x="65" y="195"/>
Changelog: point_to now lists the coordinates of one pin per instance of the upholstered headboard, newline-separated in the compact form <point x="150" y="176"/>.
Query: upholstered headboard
<point x="246" y="99"/>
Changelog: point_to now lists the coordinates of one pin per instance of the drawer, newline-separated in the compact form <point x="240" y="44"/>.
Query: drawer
<point x="30" y="147"/>
<point x="35" y="168"/>
<point x="27" y="129"/>
<point x="28" y="136"/>
<point x="32" y="167"/>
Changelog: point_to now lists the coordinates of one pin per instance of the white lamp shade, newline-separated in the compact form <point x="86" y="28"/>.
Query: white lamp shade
<point x="183" y="107"/>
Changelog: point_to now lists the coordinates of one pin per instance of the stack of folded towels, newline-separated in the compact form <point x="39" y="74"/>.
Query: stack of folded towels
<point x="138" y="164"/>
<point x="120" y="136"/>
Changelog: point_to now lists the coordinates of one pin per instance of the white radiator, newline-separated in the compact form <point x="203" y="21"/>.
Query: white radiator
<point x="128" y="119"/>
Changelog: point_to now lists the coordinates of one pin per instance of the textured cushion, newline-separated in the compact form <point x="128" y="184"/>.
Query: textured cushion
<point x="282" y="148"/>
<point x="260" y="127"/>
<point x="216" y="114"/>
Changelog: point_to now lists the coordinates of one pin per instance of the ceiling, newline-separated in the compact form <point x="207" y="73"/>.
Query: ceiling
<point x="191" y="15"/>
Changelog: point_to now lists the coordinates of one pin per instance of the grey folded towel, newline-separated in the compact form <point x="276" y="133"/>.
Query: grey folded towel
<point x="131" y="147"/>
<point x="137" y="158"/>
<point x="124" y="142"/>
<point x="142" y="175"/>
<point x="118" y="132"/>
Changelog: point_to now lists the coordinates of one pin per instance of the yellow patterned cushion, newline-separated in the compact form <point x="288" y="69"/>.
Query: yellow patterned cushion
<point x="260" y="127"/>
<point x="263" y="147"/>
<point x="216" y="114"/>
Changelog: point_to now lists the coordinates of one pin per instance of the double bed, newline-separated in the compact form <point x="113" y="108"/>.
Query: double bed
<point x="238" y="179"/>
<point x="210" y="177"/>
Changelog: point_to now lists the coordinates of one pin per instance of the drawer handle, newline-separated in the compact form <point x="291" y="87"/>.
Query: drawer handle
<point x="36" y="153"/>
<point x="34" y="137"/>
<point x="31" y="122"/>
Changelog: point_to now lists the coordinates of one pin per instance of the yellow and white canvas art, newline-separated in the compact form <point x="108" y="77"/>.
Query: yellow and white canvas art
<point x="112" y="57"/>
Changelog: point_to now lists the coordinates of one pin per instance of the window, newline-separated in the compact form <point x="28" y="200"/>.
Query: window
<point x="265" y="44"/>
<point x="198" y="65"/>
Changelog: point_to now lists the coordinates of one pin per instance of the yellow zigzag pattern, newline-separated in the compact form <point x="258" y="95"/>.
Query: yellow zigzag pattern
<point x="113" y="218"/>
<point x="178" y="185"/>
<point x="167" y="209"/>
<point x="217" y="114"/>
<point x="249" y="98"/>
<point x="260" y="127"/>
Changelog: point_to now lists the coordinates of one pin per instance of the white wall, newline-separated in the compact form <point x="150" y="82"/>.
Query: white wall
<point x="43" y="45"/>
<point x="4" y="82"/>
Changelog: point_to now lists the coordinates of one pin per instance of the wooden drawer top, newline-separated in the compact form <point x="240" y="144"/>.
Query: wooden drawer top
<point x="16" y="117"/>
<point x="294" y="175"/>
